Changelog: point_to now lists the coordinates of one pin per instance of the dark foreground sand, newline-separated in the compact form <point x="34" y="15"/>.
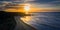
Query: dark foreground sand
<point x="9" y="22"/>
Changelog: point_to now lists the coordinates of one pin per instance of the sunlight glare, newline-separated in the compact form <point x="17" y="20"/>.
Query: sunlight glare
<point x="27" y="7"/>
<point x="26" y="19"/>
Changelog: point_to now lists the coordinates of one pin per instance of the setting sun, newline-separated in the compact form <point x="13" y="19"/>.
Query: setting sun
<point x="27" y="7"/>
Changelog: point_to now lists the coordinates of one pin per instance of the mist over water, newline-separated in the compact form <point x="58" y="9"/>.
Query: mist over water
<point x="43" y="20"/>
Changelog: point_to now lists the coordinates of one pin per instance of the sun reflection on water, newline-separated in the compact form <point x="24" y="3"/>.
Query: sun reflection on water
<point x="26" y="19"/>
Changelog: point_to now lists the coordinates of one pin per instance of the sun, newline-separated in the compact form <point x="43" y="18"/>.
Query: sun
<point x="27" y="7"/>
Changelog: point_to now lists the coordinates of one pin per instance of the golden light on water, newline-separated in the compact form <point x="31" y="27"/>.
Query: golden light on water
<point x="26" y="19"/>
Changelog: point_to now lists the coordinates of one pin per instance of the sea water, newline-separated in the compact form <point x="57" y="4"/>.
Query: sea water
<point x="43" y="20"/>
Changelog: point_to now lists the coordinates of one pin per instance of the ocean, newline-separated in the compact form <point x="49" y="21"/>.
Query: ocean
<point x="43" y="20"/>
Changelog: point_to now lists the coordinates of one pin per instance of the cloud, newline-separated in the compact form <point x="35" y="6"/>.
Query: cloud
<point x="30" y="0"/>
<point x="46" y="3"/>
<point x="54" y="2"/>
<point x="41" y="5"/>
<point x="11" y="0"/>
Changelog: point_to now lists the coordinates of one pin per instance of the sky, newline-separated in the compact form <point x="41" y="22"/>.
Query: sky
<point x="41" y="4"/>
<point x="46" y="3"/>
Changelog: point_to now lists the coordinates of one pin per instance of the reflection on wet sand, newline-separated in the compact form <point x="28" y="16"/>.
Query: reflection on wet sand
<point x="26" y="19"/>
